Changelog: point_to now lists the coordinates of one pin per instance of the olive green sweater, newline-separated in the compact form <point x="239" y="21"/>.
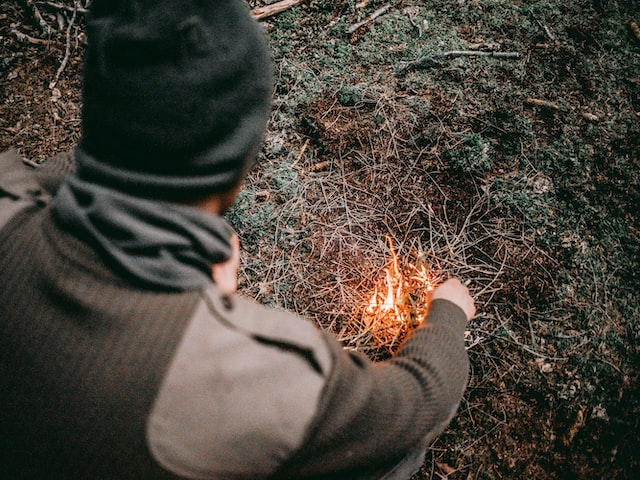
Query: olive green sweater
<point x="100" y="378"/>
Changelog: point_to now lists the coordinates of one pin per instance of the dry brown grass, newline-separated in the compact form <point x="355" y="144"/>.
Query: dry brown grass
<point x="338" y="221"/>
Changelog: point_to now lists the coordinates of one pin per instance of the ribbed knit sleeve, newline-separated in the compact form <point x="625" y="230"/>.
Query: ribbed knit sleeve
<point x="373" y="414"/>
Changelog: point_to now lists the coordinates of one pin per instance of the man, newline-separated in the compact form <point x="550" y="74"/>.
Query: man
<point x="125" y="352"/>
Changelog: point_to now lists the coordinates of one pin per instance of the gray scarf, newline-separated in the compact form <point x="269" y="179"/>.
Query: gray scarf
<point x="161" y="244"/>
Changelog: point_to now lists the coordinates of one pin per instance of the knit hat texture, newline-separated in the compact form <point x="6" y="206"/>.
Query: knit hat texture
<point x="176" y="96"/>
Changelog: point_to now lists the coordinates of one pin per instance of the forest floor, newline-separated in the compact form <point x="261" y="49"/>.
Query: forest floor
<point x="494" y="140"/>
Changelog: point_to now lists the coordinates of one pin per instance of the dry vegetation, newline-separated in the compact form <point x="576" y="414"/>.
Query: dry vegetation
<point x="514" y="165"/>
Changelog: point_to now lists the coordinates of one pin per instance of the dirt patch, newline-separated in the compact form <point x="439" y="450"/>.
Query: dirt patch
<point x="39" y="108"/>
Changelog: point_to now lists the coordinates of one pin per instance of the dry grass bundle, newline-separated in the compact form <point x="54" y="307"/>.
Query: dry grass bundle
<point x="400" y="300"/>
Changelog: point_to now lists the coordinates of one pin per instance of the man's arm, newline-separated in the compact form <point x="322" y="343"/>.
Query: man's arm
<point x="373" y="414"/>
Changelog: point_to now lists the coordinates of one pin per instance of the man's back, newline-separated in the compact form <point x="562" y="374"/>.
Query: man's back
<point x="103" y="378"/>
<point x="82" y="357"/>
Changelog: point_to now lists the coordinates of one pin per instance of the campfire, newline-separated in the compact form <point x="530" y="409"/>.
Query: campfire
<point x="400" y="299"/>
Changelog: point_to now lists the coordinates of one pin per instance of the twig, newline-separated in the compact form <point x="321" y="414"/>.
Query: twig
<point x="274" y="8"/>
<point x="433" y="61"/>
<point x="547" y="30"/>
<point x="477" y="53"/>
<point x="23" y="37"/>
<point x="30" y="163"/>
<point x="317" y="167"/>
<point x="302" y="150"/>
<point x="44" y="26"/>
<point x="67" y="51"/>
<point x="58" y="6"/>
<point x="537" y="102"/>
<point x="372" y="17"/>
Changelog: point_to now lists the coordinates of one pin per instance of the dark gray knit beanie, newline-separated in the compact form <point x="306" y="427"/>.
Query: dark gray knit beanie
<point x="176" y="95"/>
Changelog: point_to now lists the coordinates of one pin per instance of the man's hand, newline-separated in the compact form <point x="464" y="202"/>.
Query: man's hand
<point x="454" y="291"/>
<point x="225" y="275"/>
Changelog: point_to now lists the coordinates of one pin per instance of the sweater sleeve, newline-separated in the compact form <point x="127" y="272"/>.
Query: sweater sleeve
<point x="373" y="414"/>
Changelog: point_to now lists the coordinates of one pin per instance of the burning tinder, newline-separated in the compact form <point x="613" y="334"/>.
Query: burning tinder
<point x="400" y="300"/>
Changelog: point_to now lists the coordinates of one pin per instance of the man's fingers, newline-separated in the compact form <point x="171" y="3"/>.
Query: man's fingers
<point x="454" y="291"/>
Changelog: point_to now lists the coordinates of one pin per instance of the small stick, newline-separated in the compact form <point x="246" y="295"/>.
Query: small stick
<point x="302" y="150"/>
<point x="58" y="6"/>
<point x="67" y="51"/>
<point x="274" y="8"/>
<point x="432" y="61"/>
<point x="44" y="26"/>
<point x="30" y="163"/>
<point x="546" y="29"/>
<point x="23" y="37"/>
<point x="485" y="47"/>
<point x="319" y="166"/>
<point x="366" y="21"/>
<point x="477" y="53"/>
<point x="541" y="103"/>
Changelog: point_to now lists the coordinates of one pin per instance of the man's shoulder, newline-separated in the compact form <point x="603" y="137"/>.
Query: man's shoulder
<point x="273" y="326"/>
<point x="242" y="390"/>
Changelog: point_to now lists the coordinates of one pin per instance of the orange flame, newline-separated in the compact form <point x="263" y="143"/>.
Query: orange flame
<point x="400" y="300"/>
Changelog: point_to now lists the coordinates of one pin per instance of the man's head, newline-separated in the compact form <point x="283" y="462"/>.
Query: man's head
<point x="176" y="96"/>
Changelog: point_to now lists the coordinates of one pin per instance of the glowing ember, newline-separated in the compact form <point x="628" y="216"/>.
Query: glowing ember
<point x="399" y="301"/>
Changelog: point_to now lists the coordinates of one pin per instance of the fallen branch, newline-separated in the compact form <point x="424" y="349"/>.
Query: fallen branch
<point x="274" y="8"/>
<point x="537" y="102"/>
<point x="435" y="60"/>
<point x="23" y="37"/>
<point x="547" y="30"/>
<point x="67" y="51"/>
<point x="478" y="53"/>
<point x="369" y="19"/>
